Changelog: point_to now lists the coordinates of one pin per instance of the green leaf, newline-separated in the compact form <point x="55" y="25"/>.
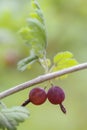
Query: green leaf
<point x="24" y="32"/>
<point x="63" y="60"/>
<point x="34" y="34"/>
<point x="26" y="62"/>
<point x="62" y="56"/>
<point x="38" y="11"/>
<point x="11" y="117"/>
<point x="35" y="31"/>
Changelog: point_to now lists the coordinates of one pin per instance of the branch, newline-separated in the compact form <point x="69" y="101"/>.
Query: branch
<point x="41" y="79"/>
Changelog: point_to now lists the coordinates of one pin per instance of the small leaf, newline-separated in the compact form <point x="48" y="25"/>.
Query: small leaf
<point x="24" y="32"/>
<point x="63" y="60"/>
<point x="62" y="55"/>
<point x="35" y="4"/>
<point x="11" y="117"/>
<point x="26" y="62"/>
<point x="65" y="63"/>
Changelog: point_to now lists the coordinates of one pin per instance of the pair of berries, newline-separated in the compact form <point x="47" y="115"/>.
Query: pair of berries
<point x="38" y="96"/>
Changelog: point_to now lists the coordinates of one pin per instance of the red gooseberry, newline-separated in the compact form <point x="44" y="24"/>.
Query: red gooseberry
<point x="37" y="96"/>
<point x="56" y="96"/>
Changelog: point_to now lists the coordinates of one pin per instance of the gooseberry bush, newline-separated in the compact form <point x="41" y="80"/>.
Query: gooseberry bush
<point x="34" y="34"/>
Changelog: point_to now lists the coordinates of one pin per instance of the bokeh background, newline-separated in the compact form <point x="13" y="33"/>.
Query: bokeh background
<point x="66" y="22"/>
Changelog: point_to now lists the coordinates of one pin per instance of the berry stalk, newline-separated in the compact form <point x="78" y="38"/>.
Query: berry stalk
<point x="63" y="108"/>
<point x="25" y="103"/>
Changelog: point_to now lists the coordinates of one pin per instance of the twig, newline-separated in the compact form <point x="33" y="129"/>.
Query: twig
<point x="41" y="79"/>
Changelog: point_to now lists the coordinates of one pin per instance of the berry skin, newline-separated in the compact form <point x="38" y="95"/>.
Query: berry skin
<point x="56" y="96"/>
<point x="37" y="96"/>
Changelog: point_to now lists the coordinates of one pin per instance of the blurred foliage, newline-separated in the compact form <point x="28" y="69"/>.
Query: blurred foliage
<point x="66" y="23"/>
<point x="10" y="118"/>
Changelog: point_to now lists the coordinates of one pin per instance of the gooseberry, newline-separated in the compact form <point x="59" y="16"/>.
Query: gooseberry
<point x="56" y="96"/>
<point x="37" y="96"/>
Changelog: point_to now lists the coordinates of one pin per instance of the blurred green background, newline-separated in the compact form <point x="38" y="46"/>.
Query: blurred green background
<point x="66" y="22"/>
